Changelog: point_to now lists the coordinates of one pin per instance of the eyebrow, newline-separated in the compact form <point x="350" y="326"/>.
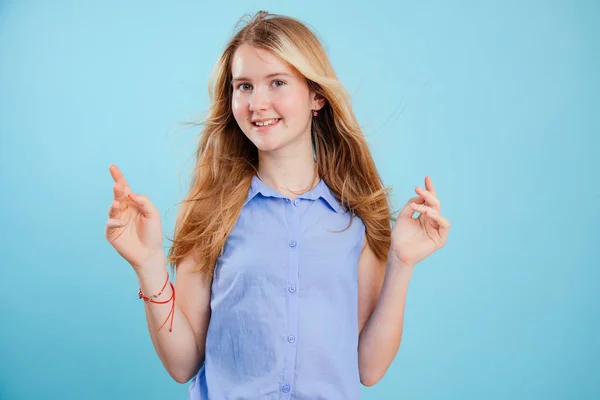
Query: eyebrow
<point x="241" y="78"/>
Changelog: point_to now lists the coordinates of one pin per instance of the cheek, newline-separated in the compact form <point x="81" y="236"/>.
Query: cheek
<point x="289" y="106"/>
<point x="239" y="108"/>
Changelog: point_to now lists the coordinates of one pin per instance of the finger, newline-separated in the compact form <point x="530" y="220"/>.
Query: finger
<point x="430" y="198"/>
<point x="423" y="209"/>
<point x="429" y="186"/>
<point x="444" y="224"/>
<point x="114" y="210"/>
<point x="117" y="175"/>
<point x="121" y="189"/>
<point x="121" y="186"/>
<point x="120" y="196"/>
<point x="444" y="227"/>
<point x="143" y="202"/>
<point x="407" y="211"/>
<point x="114" y="223"/>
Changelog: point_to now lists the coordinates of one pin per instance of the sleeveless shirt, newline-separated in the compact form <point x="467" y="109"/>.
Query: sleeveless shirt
<point x="284" y="302"/>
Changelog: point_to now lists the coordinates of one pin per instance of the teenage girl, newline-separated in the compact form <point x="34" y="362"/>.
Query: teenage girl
<point x="290" y="281"/>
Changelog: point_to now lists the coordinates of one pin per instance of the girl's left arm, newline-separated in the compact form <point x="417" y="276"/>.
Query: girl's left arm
<point x="383" y="284"/>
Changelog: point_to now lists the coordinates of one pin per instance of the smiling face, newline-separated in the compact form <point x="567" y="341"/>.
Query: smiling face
<point x="271" y="101"/>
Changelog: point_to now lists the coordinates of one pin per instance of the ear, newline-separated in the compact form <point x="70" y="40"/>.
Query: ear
<point x="318" y="101"/>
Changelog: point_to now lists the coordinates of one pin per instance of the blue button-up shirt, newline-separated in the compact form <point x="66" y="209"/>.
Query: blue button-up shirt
<point x="284" y="302"/>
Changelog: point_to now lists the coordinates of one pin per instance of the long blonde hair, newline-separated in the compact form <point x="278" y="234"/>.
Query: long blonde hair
<point x="226" y="159"/>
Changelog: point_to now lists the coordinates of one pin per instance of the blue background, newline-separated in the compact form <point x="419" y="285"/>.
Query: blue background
<point x="497" y="101"/>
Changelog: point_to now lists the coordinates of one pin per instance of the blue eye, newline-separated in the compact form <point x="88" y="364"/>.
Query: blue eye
<point x="278" y="83"/>
<point x="244" y="86"/>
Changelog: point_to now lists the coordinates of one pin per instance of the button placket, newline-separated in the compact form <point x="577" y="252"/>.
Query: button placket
<point x="291" y="326"/>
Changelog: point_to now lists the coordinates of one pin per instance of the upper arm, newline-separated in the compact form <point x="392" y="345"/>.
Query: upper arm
<point x="371" y="272"/>
<point x="193" y="292"/>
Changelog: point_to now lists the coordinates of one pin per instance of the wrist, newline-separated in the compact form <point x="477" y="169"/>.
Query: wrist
<point x="396" y="261"/>
<point x="151" y="268"/>
<point x="154" y="281"/>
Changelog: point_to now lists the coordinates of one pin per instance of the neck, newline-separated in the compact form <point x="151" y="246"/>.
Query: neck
<point x="291" y="171"/>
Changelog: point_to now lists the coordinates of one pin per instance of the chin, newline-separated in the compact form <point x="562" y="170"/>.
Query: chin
<point x="267" y="146"/>
<point x="266" y="143"/>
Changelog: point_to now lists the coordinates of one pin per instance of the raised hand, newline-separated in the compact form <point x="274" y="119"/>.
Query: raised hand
<point x="134" y="227"/>
<point x="414" y="239"/>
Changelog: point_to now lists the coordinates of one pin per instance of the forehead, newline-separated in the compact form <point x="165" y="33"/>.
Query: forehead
<point x="253" y="62"/>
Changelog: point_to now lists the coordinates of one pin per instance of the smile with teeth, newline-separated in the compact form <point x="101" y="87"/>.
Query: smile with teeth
<point x="266" y="123"/>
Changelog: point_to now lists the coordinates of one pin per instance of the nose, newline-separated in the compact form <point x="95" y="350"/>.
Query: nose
<point x="259" y="100"/>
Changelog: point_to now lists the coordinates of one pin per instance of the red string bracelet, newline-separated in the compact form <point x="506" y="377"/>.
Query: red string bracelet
<point x="152" y="299"/>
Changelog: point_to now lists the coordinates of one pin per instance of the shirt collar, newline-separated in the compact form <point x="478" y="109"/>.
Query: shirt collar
<point x="321" y="190"/>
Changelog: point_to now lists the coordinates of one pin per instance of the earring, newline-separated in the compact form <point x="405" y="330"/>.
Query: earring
<point x="315" y="113"/>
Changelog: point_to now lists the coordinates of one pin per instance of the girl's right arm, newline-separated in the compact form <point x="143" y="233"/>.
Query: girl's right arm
<point x="134" y="229"/>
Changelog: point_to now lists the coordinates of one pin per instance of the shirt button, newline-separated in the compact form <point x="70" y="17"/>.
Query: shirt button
<point x="296" y="202"/>
<point x="292" y="289"/>
<point x="285" y="388"/>
<point x="293" y="243"/>
<point x="291" y="339"/>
